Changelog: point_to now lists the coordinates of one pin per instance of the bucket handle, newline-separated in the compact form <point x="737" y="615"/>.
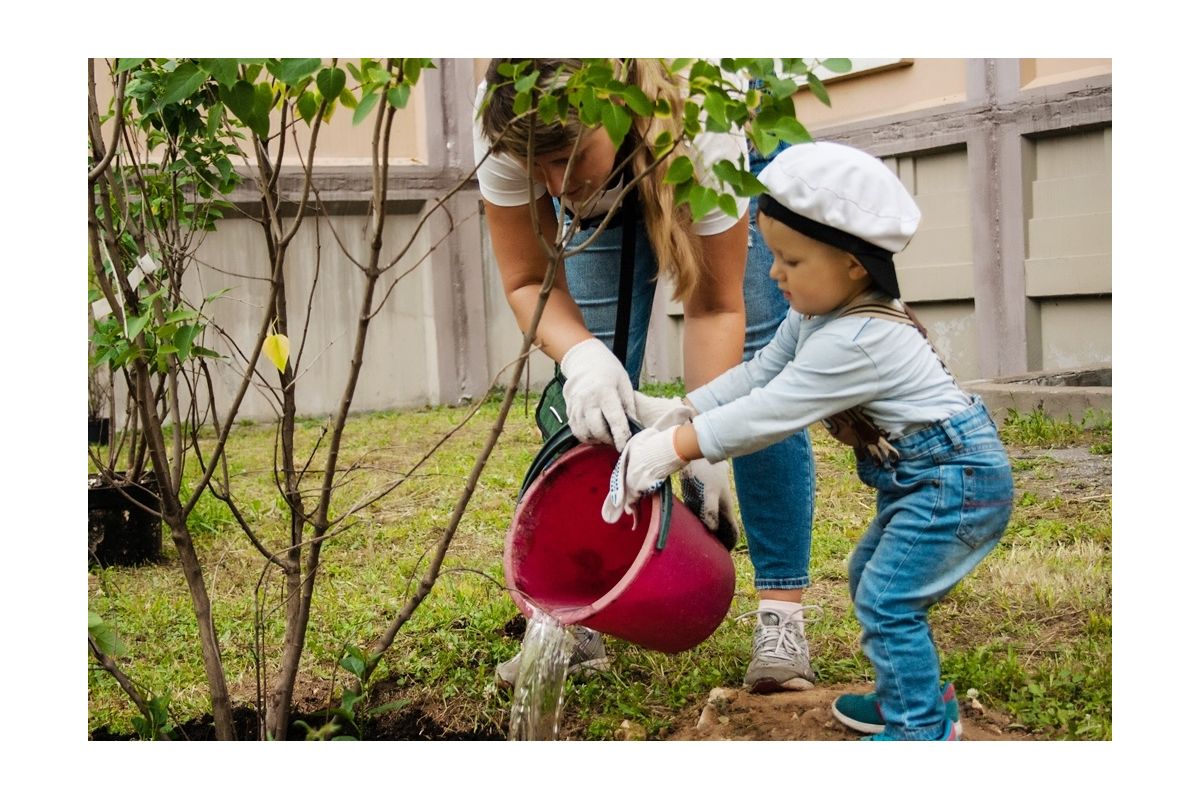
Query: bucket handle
<point x="561" y="442"/>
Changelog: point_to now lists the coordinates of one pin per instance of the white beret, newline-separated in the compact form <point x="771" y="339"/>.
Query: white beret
<point x="846" y="189"/>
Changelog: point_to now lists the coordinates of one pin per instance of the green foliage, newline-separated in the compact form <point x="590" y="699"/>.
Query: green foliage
<point x="105" y="637"/>
<point x="717" y="100"/>
<point x="159" y="725"/>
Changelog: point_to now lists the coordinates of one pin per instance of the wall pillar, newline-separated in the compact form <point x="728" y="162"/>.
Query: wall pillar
<point x="995" y="160"/>
<point x="455" y="318"/>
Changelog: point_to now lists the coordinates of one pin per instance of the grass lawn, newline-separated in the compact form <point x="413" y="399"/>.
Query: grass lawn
<point x="1030" y="630"/>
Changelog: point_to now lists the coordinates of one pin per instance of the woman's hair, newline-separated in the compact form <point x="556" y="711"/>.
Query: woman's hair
<point x="669" y="227"/>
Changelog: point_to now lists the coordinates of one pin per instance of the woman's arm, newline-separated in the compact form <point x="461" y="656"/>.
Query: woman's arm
<point x="523" y="262"/>
<point x="714" y="317"/>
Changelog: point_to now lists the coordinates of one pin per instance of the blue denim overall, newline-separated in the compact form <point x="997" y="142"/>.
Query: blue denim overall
<point x="940" y="509"/>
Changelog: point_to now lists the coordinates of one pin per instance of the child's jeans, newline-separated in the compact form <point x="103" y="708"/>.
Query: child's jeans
<point x="940" y="509"/>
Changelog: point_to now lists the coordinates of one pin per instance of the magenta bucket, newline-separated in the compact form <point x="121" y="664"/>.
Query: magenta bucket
<point x="664" y="583"/>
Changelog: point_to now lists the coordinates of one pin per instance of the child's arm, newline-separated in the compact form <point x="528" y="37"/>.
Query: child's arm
<point x="830" y="373"/>
<point x="739" y="380"/>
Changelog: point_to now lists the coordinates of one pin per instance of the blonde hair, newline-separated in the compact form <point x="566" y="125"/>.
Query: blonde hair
<point x="669" y="227"/>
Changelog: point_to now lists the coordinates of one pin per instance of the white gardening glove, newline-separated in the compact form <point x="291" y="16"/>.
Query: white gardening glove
<point x="705" y="486"/>
<point x="705" y="490"/>
<point x="598" y="394"/>
<point x="647" y="461"/>
<point x="649" y="410"/>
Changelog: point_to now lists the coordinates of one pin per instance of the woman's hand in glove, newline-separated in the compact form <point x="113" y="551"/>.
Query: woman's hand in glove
<point x="598" y="394"/>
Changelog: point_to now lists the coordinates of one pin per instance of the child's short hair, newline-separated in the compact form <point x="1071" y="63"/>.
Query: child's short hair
<point x="846" y="198"/>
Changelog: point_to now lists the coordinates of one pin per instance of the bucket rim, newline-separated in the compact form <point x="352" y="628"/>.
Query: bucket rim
<point x="647" y="549"/>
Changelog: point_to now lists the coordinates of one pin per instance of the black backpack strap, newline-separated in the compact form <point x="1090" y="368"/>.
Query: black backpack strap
<point x="630" y="211"/>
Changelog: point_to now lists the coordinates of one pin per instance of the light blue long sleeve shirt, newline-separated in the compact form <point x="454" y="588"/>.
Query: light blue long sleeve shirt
<point x="815" y="367"/>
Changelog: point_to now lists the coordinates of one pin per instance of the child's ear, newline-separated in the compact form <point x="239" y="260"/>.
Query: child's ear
<point x="857" y="270"/>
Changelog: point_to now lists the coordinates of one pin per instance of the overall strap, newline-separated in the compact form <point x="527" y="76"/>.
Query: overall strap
<point x="854" y="426"/>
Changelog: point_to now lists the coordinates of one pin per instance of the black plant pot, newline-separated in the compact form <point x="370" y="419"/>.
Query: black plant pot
<point x="97" y="430"/>
<point x="120" y="533"/>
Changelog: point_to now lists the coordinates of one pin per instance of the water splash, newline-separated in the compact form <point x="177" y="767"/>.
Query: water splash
<point x="541" y="680"/>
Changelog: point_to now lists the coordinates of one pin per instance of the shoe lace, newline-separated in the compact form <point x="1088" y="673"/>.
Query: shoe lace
<point x="778" y="640"/>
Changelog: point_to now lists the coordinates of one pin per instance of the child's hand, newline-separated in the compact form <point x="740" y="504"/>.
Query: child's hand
<point x="647" y="460"/>
<point x="651" y="409"/>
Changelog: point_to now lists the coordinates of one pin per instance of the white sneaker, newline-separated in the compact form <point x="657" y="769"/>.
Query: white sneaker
<point x="588" y="656"/>
<point x="779" y="660"/>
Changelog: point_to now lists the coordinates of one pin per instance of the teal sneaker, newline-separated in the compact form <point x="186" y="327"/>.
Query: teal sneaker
<point x="950" y="733"/>
<point x="861" y="712"/>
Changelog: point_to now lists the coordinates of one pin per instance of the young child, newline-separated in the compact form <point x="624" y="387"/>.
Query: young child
<point x="850" y="354"/>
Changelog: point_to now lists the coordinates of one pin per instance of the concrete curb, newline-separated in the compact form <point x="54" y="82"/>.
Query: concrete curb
<point x="1069" y="394"/>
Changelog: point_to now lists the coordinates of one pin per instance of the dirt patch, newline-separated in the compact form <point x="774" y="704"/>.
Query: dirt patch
<point x="1073" y="473"/>
<point x="737" y="715"/>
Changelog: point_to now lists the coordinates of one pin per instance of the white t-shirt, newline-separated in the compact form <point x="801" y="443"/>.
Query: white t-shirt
<point x="502" y="179"/>
<point x="817" y="366"/>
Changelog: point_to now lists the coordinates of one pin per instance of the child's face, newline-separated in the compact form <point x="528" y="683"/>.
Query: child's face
<point x="815" y="277"/>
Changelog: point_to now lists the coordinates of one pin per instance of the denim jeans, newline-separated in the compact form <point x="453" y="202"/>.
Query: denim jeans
<point x="775" y="485"/>
<point x="940" y="509"/>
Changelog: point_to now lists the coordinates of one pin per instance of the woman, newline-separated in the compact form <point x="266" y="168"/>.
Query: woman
<point x="731" y="308"/>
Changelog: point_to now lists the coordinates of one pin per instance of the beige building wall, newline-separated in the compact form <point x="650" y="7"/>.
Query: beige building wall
<point x="1010" y="161"/>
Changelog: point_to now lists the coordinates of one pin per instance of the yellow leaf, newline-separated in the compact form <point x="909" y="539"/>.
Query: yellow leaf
<point x="276" y="348"/>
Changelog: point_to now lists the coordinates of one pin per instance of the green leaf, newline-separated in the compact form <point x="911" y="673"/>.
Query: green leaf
<point x="837" y="64"/>
<point x="728" y="204"/>
<point x="702" y="200"/>
<point x="637" y="101"/>
<point x="714" y="104"/>
<point x="616" y="121"/>
<point x="662" y="144"/>
<point x="818" y="88"/>
<point x="239" y="99"/>
<point x="183" y="340"/>
<point x="223" y="70"/>
<point x="521" y="102"/>
<point x="679" y="171"/>
<point x="307" y="106"/>
<point x="589" y="108"/>
<point x="125" y="64"/>
<point x="106" y="638"/>
<point x="364" y="107"/>
<point x="398" y="95"/>
<point x="216" y="117"/>
<point x="330" y="82"/>
<point x="548" y="108"/>
<point x="411" y="68"/>
<point x="205" y="352"/>
<point x="357" y="667"/>
<point x="348" y="99"/>
<point x="220" y="293"/>
<point x="526" y="83"/>
<point x="791" y="131"/>
<point x="294" y="70"/>
<point x="183" y="83"/>
<point x="134" y="325"/>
